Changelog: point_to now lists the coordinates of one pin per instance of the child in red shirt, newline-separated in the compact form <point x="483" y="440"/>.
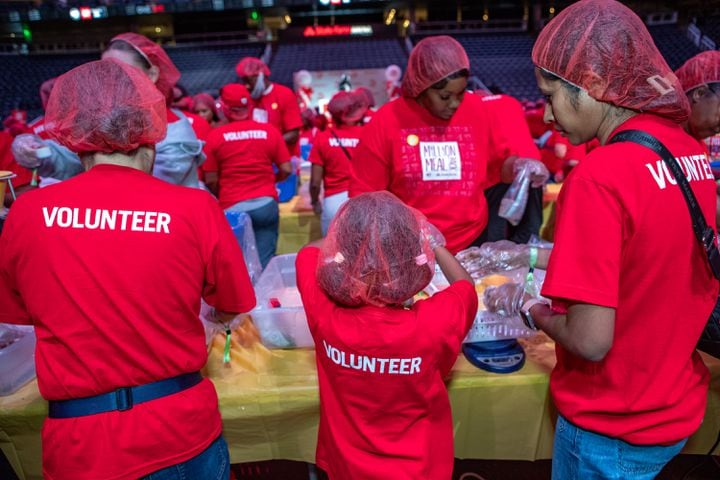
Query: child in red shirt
<point x="384" y="409"/>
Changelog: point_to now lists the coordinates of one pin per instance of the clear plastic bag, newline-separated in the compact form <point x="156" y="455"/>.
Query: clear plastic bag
<point x="512" y="205"/>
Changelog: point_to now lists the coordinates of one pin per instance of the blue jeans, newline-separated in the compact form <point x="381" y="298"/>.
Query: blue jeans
<point x="583" y="455"/>
<point x="265" y="224"/>
<point x="213" y="463"/>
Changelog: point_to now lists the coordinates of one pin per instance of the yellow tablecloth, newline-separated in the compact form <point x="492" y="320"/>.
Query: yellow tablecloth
<point x="274" y="414"/>
<point x="298" y="225"/>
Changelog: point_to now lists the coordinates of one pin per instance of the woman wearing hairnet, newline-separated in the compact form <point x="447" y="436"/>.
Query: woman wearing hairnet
<point x="700" y="78"/>
<point x="433" y="146"/>
<point x="110" y="267"/>
<point x="332" y="154"/>
<point x="631" y="287"/>
<point x="179" y="154"/>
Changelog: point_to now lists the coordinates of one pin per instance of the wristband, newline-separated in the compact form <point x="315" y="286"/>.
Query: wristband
<point x="530" y="277"/>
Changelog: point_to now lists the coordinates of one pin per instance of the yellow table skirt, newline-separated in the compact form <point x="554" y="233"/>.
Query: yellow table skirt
<point x="298" y="225"/>
<point x="273" y="414"/>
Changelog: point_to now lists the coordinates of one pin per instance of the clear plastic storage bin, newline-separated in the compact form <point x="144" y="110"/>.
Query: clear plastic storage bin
<point x="279" y="315"/>
<point x="17" y="357"/>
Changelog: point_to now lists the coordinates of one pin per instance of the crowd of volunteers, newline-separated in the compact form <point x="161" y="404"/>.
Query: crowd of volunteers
<point x="119" y="231"/>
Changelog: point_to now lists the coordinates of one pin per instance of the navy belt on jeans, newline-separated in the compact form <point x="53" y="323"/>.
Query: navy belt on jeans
<point x="123" y="398"/>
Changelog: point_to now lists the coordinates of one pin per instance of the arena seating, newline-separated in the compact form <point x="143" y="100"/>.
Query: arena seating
<point x="673" y="44"/>
<point x="335" y="55"/>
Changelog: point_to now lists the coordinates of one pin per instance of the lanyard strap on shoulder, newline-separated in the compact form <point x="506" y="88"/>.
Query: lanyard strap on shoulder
<point x="347" y="154"/>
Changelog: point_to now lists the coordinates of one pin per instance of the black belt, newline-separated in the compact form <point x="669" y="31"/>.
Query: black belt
<point x="123" y="398"/>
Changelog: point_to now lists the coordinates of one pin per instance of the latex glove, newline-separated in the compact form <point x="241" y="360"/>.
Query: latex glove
<point x="539" y="173"/>
<point x="434" y="237"/>
<point x="29" y="150"/>
<point x="505" y="299"/>
<point x="505" y="255"/>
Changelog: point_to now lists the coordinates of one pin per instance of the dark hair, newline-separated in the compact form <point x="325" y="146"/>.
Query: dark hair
<point x="124" y="46"/>
<point x="573" y="90"/>
<point x="464" y="73"/>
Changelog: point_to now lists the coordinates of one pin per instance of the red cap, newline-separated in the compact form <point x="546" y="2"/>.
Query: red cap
<point x="235" y="95"/>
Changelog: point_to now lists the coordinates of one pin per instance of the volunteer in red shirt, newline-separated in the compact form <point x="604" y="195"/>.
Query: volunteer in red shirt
<point x="631" y="286"/>
<point x="110" y="267"/>
<point x="384" y="409"/>
<point x="23" y="177"/>
<point x="241" y="158"/>
<point x="369" y="101"/>
<point x="332" y="154"/>
<point x="700" y="78"/>
<point x="203" y="105"/>
<point x="433" y="146"/>
<point x="272" y="103"/>
<point x="177" y="155"/>
<point x="510" y="123"/>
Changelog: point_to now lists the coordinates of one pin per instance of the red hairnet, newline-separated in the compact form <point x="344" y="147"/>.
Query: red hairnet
<point x="105" y="106"/>
<point x="431" y="60"/>
<point x="376" y="252"/>
<point x="251" y="66"/>
<point x="602" y="47"/>
<point x="155" y="55"/>
<point x="204" y="99"/>
<point x="701" y="69"/>
<point x="367" y="94"/>
<point x="45" y="89"/>
<point x="348" y="107"/>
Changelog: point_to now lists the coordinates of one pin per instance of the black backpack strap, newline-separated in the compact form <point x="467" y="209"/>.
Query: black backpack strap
<point x="704" y="233"/>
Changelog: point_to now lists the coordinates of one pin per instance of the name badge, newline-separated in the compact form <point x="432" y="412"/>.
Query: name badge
<point x="440" y="161"/>
<point x="260" y="115"/>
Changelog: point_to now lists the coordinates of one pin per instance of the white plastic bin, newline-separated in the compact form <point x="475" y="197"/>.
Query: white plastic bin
<point x="17" y="358"/>
<point x="284" y="326"/>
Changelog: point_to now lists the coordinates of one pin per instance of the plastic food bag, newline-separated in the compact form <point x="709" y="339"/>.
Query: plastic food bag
<point x="241" y="225"/>
<point x="512" y="205"/>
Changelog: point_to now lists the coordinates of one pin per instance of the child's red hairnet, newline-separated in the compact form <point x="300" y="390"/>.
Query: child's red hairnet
<point x="154" y="53"/>
<point x="604" y="48"/>
<point x="376" y="252"/>
<point x="105" y="106"/>
<point x="701" y="69"/>
<point x="431" y="60"/>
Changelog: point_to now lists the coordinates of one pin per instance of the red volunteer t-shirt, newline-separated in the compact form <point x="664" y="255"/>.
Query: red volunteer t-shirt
<point x="199" y="125"/>
<point x="327" y="151"/>
<point x="279" y="108"/>
<point x="110" y="267"/>
<point x="436" y="166"/>
<point x="243" y="154"/>
<point x="510" y="128"/>
<point x="37" y="127"/>
<point x="7" y="162"/>
<point x="384" y="409"/>
<point x="624" y="240"/>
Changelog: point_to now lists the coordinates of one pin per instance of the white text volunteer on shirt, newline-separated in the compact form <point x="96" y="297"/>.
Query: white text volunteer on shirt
<point x="101" y="219"/>
<point x="392" y="366"/>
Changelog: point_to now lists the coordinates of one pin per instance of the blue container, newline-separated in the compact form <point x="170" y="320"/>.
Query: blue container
<point x="287" y="189"/>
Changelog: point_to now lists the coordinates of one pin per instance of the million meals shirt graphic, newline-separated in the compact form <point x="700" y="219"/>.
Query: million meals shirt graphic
<point x="434" y="165"/>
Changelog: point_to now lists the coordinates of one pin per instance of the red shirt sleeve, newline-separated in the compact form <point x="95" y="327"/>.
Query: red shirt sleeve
<point x="372" y="161"/>
<point x="227" y="284"/>
<point x="306" y="277"/>
<point x="280" y="153"/>
<point x="454" y="311"/>
<point x="210" y="164"/>
<point x="316" y="156"/>
<point x="584" y="264"/>
<point x="13" y="308"/>
<point x="291" y="118"/>
<point x="199" y="125"/>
